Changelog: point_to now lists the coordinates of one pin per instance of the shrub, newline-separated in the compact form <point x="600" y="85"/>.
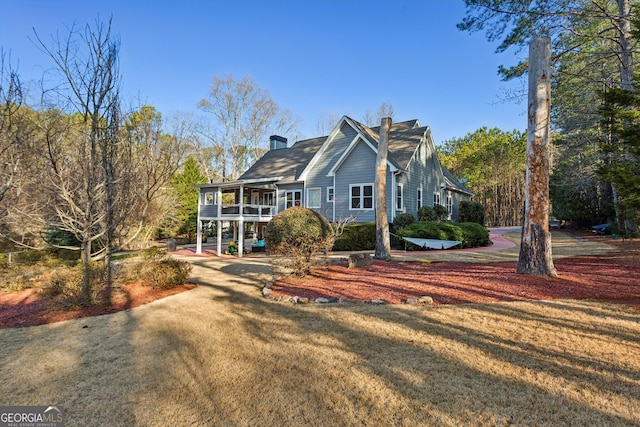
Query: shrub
<point x="472" y="212"/>
<point x="470" y="234"/>
<point x="160" y="270"/>
<point x="433" y="230"/>
<point x="64" y="284"/>
<point x="442" y="213"/>
<point x="403" y="220"/>
<point x="296" y="237"/>
<point x="357" y="237"/>
<point x="426" y="214"/>
<point x="475" y="235"/>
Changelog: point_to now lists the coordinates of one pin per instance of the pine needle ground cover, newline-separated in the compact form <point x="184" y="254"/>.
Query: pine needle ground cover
<point x="220" y="354"/>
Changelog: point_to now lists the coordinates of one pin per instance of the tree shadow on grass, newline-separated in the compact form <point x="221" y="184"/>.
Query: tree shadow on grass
<point x="268" y="362"/>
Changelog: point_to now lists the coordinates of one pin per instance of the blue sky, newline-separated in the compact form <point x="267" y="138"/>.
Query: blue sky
<point x="315" y="57"/>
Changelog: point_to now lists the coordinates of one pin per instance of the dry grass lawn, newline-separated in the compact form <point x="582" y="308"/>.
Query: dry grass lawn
<point x="222" y="355"/>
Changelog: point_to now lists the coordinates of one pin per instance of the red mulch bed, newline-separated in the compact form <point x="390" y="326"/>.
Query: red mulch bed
<point x="27" y="308"/>
<point x="613" y="277"/>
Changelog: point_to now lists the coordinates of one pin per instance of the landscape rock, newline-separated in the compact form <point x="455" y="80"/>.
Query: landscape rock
<point x="359" y="260"/>
<point x="378" y="301"/>
<point x="321" y="300"/>
<point x="425" y="300"/>
<point x="412" y="301"/>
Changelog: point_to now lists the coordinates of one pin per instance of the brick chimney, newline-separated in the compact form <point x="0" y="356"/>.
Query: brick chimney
<point x="276" y="142"/>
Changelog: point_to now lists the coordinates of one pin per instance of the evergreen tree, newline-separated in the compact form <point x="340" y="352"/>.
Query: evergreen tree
<point x="186" y="193"/>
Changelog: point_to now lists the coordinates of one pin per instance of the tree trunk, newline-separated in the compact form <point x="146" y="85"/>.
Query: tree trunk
<point x="383" y="244"/>
<point x="535" y="250"/>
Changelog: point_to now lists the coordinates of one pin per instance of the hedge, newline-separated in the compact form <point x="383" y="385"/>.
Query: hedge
<point x="470" y="234"/>
<point x="357" y="237"/>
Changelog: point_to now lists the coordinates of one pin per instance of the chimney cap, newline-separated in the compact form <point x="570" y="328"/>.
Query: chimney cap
<point x="277" y="138"/>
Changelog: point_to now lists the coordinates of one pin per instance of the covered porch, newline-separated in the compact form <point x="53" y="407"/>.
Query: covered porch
<point x="239" y="207"/>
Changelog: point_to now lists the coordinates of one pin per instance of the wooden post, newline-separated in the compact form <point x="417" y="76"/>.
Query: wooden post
<point x="535" y="249"/>
<point x="383" y="243"/>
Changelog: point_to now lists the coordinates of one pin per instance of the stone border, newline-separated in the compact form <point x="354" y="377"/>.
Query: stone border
<point x="266" y="293"/>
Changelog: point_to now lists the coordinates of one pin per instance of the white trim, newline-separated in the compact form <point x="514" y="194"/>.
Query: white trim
<point x="308" y="201"/>
<point x="401" y="195"/>
<point x="293" y="198"/>
<point x="344" y="155"/>
<point x="331" y="190"/>
<point x="362" y="197"/>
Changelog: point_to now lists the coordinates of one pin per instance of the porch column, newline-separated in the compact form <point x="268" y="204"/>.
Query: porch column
<point x="240" y="236"/>
<point x="241" y="223"/>
<point x="219" y="238"/>
<point x="199" y="236"/>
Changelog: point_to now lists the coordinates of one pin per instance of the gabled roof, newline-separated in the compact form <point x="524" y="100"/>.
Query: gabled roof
<point x="287" y="163"/>
<point x="404" y="138"/>
<point x="453" y="183"/>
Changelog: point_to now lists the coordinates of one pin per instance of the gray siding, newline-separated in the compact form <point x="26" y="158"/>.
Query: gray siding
<point x="358" y="168"/>
<point x="317" y="175"/>
<point x="424" y="172"/>
<point x="282" y="191"/>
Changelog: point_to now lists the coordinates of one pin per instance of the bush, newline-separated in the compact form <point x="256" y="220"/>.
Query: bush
<point x="297" y="236"/>
<point x="65" y="285"/>
<point x="431" y="214"/>
<point x="357" y="237"/>
<point x="470" y="234"/>
<point x="160" y="270"/>
<point x="475" y="235"/>
<point x="472" y="212"/>
<point x="403" y="220"/>
<point x="442" y="213"/>
<point x="433" y="230"/>
<point x="426" y="214"/>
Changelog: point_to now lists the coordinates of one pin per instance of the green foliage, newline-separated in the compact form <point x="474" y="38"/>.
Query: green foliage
<point x="426" y="214"/>
<point x="441" y="212"/>
<point x="357" y="237"/>
<point x="186" y="193"/>
<point x="403" y="220"/>
<point x="435" y="213"/>
<point x="432" y="230"/>
<point x="297" y="236"/>
<point x="472" y="212"/>
<point x="475" y="235"/>
<point x="621" y="144"/>
<point x="494" y="163"/>
<point x="470" y="234"/>
<point x="160" y="270"/>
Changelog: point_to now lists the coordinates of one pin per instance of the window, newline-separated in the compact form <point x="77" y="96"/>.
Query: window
<point x="436" y="199"/>
<point x="267" y="199"/>
<point x="330" y="194"/>
<point x="399" y="204"/>
<point x="449" y="204"/>
<point x="208" y="198"/>
<point x="313" y="197"/>
<point x="361" y="196"/>
<point x="293" y="198"/>
<point x="419" y="198"/>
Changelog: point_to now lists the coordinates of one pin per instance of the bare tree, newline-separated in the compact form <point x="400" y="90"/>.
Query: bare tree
<point x="10" y="101"/>
<point x="326" y="123"/>
<point x="535" y="250"/>
<point x="383" y="244"/>
<point x="244" y="115"/>
<point x="85" y="176"/>
<point x="384" y="110"/>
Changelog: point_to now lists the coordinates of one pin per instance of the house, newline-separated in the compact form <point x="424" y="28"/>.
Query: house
<point x="334" y="175"/>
